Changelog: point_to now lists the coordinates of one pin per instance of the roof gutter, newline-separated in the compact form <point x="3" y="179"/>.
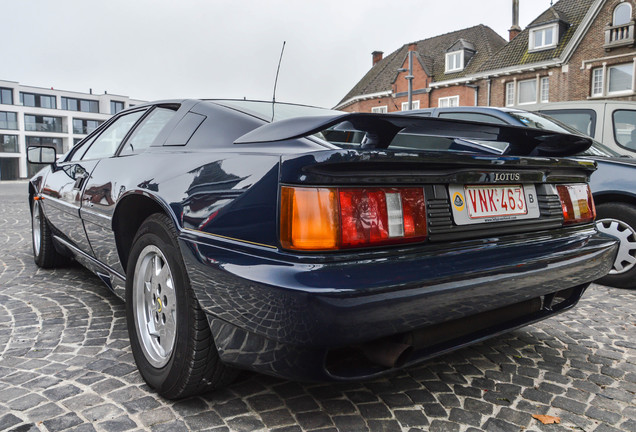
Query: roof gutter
<point x="362" y="97"/>
<point x="581" y="30"/>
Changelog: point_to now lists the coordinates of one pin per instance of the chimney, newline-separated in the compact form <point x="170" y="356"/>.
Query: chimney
<point x="377" y="56"/>
<point x="413" y="46"/>
<point x="514" y="29"/>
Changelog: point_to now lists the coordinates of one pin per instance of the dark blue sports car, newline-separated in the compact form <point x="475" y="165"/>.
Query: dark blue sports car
<point x="259" y="236"/>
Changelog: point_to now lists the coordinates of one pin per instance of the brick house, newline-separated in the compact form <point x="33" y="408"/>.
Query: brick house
<point x="451" y="56"/>
<point x="575" y="50"/>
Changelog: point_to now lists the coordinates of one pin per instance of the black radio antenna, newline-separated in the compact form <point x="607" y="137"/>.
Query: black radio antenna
<point x="276" y="80"/>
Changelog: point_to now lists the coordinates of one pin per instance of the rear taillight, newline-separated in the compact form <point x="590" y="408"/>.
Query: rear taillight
<point x="577" y="203"/>
<point x="340" y="218"/>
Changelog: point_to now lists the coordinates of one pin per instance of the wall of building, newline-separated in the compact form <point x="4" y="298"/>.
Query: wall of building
<point x="591" y="54"/>
<point x="466" y="95"/>
<point x="13" y="165"/>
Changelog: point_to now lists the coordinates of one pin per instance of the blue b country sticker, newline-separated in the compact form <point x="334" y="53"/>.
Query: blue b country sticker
<point x="458" y="201"/>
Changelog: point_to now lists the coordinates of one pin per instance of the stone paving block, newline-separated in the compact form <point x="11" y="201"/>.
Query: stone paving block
<point x="444" y="426"/>
<point x="374" y="411"/>
<point x="465" y="417"/>
<point x="603" y="415"/>
<point x="277" y="418"/>
<point x="120" y="424"/>
<point x="62" y="422"/>
<point x="9" y="420"/>
<point x="384" y="425"/>
<point x="434" y="410"/>
<point x="412" y="417"/>
<point x="231" y="408"/>
<point x="338" y="407"/>
<point x="157" y="416"/>
<point x="350" y="423"/>
<point x="173" y="426"/>
<point x="203" y="420"/>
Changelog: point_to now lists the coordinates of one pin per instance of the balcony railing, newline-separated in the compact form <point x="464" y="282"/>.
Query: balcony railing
<point x="620" y="35"/>
<point x="9" y="147"/>
<point x="46" y="127"/>
<point x="9" y="124"/>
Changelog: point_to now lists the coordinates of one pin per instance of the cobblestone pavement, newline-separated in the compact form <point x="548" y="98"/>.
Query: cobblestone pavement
<point x="66" y="364"/>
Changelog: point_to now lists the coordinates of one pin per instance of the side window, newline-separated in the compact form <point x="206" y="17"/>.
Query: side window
<point x="144" y="135"/>
<point x="624" y="122"/>
<point x="476" y="117"/>
<point x="582" y="120"/>
<point x="79" y="151"/>
<point x="106" y="144"/>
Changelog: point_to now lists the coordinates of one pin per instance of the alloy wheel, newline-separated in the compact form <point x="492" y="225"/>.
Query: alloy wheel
<point x="36" y="228"/>
<point x="155" y="306"/>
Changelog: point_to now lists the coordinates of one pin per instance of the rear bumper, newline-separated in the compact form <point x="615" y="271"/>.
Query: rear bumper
<point x="283" y="314"/>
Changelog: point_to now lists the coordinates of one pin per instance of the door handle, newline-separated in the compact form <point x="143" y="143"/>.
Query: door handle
<point x="79" y="181"/>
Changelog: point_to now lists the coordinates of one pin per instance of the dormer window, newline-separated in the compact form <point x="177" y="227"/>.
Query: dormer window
<point x="454" y="61"/>
<point x="544" y="37"/>
<point x="458" y="55"/>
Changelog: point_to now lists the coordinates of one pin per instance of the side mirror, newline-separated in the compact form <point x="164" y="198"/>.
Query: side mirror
<point x="41" y="155"/>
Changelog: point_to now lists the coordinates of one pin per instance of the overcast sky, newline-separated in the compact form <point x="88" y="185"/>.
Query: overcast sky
<point x="160" y="49"/>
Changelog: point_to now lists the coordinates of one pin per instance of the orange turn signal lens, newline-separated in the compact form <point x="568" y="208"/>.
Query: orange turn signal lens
<point x="309" y="218"/>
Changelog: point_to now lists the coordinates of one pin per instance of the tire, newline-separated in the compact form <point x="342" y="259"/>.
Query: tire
<point x="169" y="333"/>
<point x="619" y="220"/>
<point x="44" y="253"/>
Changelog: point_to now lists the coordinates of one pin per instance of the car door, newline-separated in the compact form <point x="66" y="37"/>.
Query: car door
<point x="64" y="186"/>
<point x="113" y="175"/>
<point x="61" y="197"/>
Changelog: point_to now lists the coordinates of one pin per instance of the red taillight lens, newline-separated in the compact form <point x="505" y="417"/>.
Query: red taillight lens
<point x="577" y="203"/>
<point x="331" y="218"/>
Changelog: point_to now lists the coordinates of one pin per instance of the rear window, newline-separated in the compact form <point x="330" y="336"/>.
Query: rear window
<point x="279" y="111"/>
<point x="476" y="117"/>
<point x="624" y="123"/>
<point x="583" y="120"/>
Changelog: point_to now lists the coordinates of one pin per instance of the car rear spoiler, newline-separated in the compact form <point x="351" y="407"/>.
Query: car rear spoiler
<point x="380" y="130"/>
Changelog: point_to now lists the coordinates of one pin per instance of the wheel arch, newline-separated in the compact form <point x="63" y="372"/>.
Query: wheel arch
<point x="132" y="209"/>
<point x="31" y="195"/>
<point x="615" y="197"/>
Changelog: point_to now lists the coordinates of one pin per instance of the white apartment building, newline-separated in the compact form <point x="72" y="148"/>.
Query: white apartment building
<point x="35" y="116"/>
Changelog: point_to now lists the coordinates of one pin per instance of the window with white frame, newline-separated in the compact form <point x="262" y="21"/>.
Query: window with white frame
<point x="380" y="109"/>
<point x="510" y="93"/>
<point x="612" y="80"/>
<point x="597" y="82"/>
<point x="527" y="91"/>
<point x="454" y="61"/>
<point x="545" y="89"/>
<point x="622" y="14"/>
<point x="450" y="101"/>
<point x="544" y="37"/>
<point x="414" y="105"/>
<point x="620" y="78"/>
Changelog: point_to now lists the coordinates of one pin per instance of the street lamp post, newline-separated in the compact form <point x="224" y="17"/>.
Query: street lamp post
<point x="409" y="78"/>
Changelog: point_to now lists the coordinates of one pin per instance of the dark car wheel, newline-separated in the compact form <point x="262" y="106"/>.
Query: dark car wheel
<point x="44" y="253"/>
<point x="619" y="220"/>
<point x="169" y="333"/>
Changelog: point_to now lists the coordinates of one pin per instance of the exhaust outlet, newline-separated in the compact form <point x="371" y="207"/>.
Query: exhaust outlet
<point x="387" y="354"/>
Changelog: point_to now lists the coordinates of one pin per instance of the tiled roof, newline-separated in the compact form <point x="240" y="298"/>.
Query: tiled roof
<point x="516" y="52"/>
<point x="431" y="54"/>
